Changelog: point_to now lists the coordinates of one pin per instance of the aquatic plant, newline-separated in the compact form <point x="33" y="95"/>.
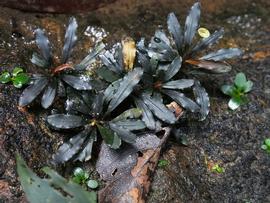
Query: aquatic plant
<point x="17" y="77"/>
<point x="238" y="91"/>
<point x="81" y="177"/>
<point x="266" y="145"/>
<point x="56" y="74"/>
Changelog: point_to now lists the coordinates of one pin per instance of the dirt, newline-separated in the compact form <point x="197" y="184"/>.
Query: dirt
<point x="231" y="139"/>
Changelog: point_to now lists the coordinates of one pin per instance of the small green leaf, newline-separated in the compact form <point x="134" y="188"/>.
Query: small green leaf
<point x="248" y="86"/>
<point x="240" y="80"/>
<point x="163" y="163"/>
<point x="218" y="169"/>
<point x="16" y="71"/>
<point x="234" y="103"/>
<point x="20" y="80"/>
<point x="93" y="184"/>
<point x="264" y="147"/>
<point x="5" y="77"/>
<point x="267" y="142"/>
<point x="227" y="89"/>
<point x="78" y="171"/>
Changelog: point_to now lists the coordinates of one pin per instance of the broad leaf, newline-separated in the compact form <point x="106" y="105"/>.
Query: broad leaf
<point x="205" y="42"/>
<point x="78" y="82"/>
<point x="38" y="60"/>
<point x="68" y="150"/>
<point x="147" y="115"/>
<point x="110" y="137"/>
<point x="202" y="99"/>
<point x="70" y="39"/>
<point x="97" y="104"/>
<point x="178" y="84"/>
<point x="32" y="91"/>
<point x="110" y="61"/>
<point x="240" y="80"/>
<point x="173" y="68"/>
<point x="107" y="74"/>
<point x="64" y="121"/>
<point x="182" y="100"/>
<point x="16" y="71"/>
<point x="20" y="80"/>
<point x="159" y="109"/>
<point x="44" y="46"/>
<point x="54" y="189"/>
<point x="131" y="124"/>
<point x="248" y="86"/>
<point x="145" y="62"/>
<point x="192" y="23"/>
<point x="130" y="113"/>
<point x="126" y="86"/>
<point x="222" y="54"/>
<point x="123" y="133"/>
<point x="176" y="31"/>
<point x="49" y="95"/>
<point x="90" y="58"/>
<point x="111" y="89"/>
<point x="210" y="66"/>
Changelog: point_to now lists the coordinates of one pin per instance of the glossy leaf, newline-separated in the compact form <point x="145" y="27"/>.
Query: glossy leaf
<point x="97" y="104"/>
<point x="64" y="121"/>
<point x="5" y="77"/>
<point x="110" y="137"/>
<point x="32" y="91"/>
<point x="38" y="60"/>
<point x="234" y="103"/>
<point x="49" y="95"/>
<point x="70" y="39"/>
<point x="111" y="62"/>
<point x="173" y="68"/>
<point x="16" y="71"/>
<point x="123" y="133"/>
<point x="130" y="113"/>
<point x="192" y="23"/>
<point x="131" y="124"/>
<point x="111" y="89"/>
<point x="206" y="42"/>
<point x="106" y="74"/>
<point x="145" y="62"/>
<point x="68" y="150"/>
<point x="178" y="84"/>
<point x="78" y="82"/>
<point x="182" y="100"/>
<point x="175" y="29"/>
<point x="53" y="189"/>
<point x="147" y="115"/>
<point x="44" y="45"/>
<point x="210" y="66"/>
<point x="126" y="86"/>
<point x="90" y="58"/>
<point x="222" y="54"/>
<point x="20" y="80"/>
<point x="159" y="109"/>
<point x="202" y="99"/>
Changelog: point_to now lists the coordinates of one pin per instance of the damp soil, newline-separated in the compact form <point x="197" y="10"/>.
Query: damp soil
<point x="231" y="139"/>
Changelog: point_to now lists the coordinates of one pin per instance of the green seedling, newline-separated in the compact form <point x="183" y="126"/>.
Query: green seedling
<point x="238" y="91"/>
<point x="82" y="177"/>
<point x="17" y="77"/>
<point x="162" y="163"/>
<point x="218" y="169"/>
<point x="266" y="145"/>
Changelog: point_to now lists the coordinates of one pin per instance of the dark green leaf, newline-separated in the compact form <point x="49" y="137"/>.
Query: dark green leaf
<point x="222" y="54"/>
<point x="78" y="82"/>
<point x="145" y="62"/>
<point x="111" y="62"/>
<point x="147" y="115"/>
<point x="97" y="104"/>
<point x="16" y="71"/>
<point x="54" y="189"/>
<point x="70" y="39"/>
<point x="31" y="92"/>
<point x="178" y="84"/>
<point x="64" y="121"/>
<point x="130" y="113"/>
<point x="205" y="42"/>
<point x="107" y="74"/>
<point x="159" y="109"/>
<point x="123" y="133"/>
<point x="44" y="45"/>
<point x="68" y="150"/>
<point x="38" y="60"/>
<point x="20" y="80"/>
<point x="182" y="100"/>
<point x="126" y="86"/>
<point x="131" y="124"/>
<point x="211" y="66"/>
<point x="173" y="68"/>
<point x="111" y="89"/>
<point x="176" y="31"/>
<point x="49" y="95"/>
<point x="192" y="23"/>
<point x="90" y="58"/>
<point x="5" y="77"/>
<point x="109" y="137"/>
<point x="202" y="99"/>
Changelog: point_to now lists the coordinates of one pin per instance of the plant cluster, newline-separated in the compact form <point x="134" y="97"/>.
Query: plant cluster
<point x="82" y="177"/>
<point x="17" y="77"/>
<point x="135" y="86"/>
<point x="266" y="145"/>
